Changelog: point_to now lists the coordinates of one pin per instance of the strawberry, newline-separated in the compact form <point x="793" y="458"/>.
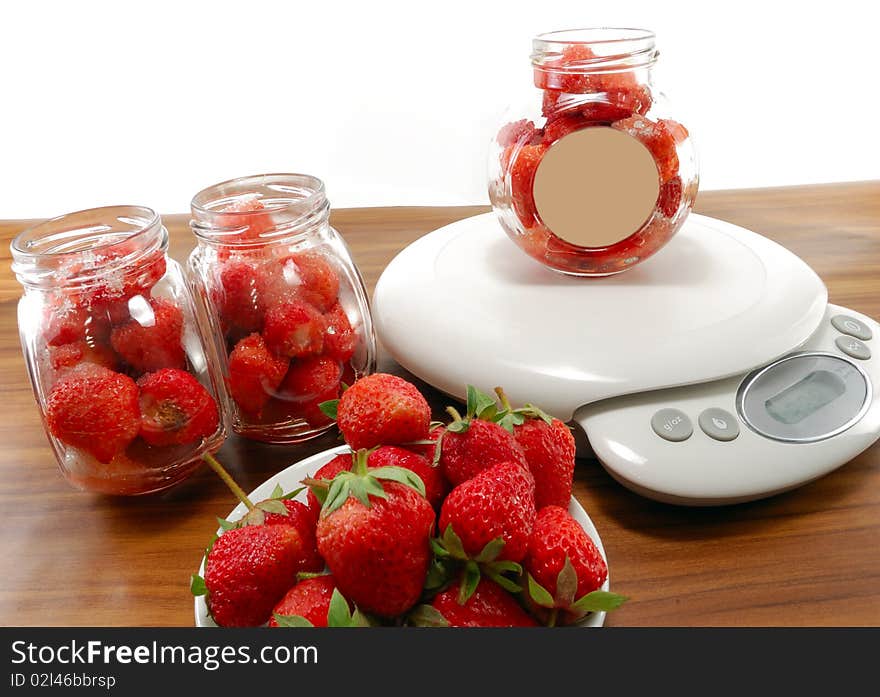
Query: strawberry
<point x="549" y="448"/>
<point x="392" y="456"/>
<point x="382" y="409"/>
<point x="488" y="606"/>
<point x="565" y="570"/>
<point x="311" y="277"/>
<point x="175" y="408"/>
<point x="428" y="449"/>
<point x="475" y="442"/>
<point x="316" y="602"/>
<point x="247" y="572"/>
<point x="499" y="502"/>
<point x="82" y="351"/>
<point x="522" y="131"/>
<point x="525" y="161"/>
<point x="294" y="328"/>
<point x="65" y="322"/>
<point x="340" y="339"/>
<point x="309" y="382"/>
<point x="94" y="409"/>
<point x="254" y="374"/>
<point x="151" y="340"/>
<point x="237" y="298"/>
<point x="374" y="534"/>
<point x="669" y="198"/>
<point x="247" y="216"/>
<point x="660" y="139"/>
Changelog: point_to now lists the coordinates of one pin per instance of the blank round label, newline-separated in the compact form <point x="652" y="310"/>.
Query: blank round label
<point x="596" y="187"/>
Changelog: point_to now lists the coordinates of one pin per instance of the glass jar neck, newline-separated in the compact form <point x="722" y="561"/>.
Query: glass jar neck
<point x="83" y="248"/>
<point x="273" y="207"/>
<point x="561" y="54"/>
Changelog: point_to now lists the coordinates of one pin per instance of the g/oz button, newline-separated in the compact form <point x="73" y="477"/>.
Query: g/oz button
<point x="719" y="424"/>
<point x="850" y="325"/>
<point x="672" y="424"/>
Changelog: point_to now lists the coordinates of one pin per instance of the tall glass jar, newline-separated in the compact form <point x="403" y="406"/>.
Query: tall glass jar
<point x="287" y="304"/>
<point x="592" y="171"/>
<point x="114" y="350"/>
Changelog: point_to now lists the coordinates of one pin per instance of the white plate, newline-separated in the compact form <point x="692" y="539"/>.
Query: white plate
<point x="291" y="478"/>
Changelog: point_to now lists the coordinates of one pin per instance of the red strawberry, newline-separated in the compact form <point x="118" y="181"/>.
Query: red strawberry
<point x="326" y="473"/>
<point x="482" y="444"/>
<point x="238" y="298"/>
<point x="294" y="328"/>
<point x="152" y="341"/>
<point x="248" y="216"/>
<point x="340" y="339"/>
<point x="175" y="408"/>
<point x="499" y="502"/>
<point x="309" y="599"/>
<point x="277" y="511"/>
<point x="522" y="177"/>
<point x="94" y="409"/>
<point x="254" y="374"/>
<point x="522" y="131"/>
<point x="567" y="567"/>
<point x="382" y="409"/>
<point x="549" y="449"/>
<point x="65" y="322"/>
<point x="248" y="571"/>
<point x="311" y="276"/>
<point x="310" y="381"/>
<point x="659" y="137"/>
<point x="670" y="197"/>
<point x="429" y="450"/>
<point x="489" y="606"/>
<point x="392" y="456"/>
<point x="81" y="351"/>
<point x="378" y="549"/>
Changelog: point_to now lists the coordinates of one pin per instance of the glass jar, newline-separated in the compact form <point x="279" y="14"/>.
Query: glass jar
<point x="592" y="173"/>
<point x="286" y="303"/>
<point x="114" y="350"/>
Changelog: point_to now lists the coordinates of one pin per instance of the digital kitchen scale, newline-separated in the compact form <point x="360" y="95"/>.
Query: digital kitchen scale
<point x="713" y="373"/>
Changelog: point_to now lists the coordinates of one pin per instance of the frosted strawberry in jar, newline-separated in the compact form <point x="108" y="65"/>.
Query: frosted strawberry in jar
<point x="113" y="346"/>
<point x="286" y="303"/>
<point x="594" y="172"/>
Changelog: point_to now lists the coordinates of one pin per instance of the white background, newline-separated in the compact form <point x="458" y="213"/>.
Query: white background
<point x="393" y="103"/>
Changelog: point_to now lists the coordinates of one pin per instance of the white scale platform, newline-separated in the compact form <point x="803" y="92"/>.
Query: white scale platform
<point x="683" y="329"/>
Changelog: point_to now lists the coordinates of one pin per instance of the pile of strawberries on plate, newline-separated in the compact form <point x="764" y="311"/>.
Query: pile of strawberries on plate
<point x="422" y="523"/>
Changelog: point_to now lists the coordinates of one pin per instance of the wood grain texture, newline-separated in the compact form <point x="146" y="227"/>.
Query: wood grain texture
<point x="808" y="557"/>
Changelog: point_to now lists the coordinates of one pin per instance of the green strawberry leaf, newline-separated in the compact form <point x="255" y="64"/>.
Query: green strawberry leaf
<point x="226" y="524"/>
<point x="438" y="445"/>
<point x="491" y="551"/>
<point x="400" y="475"/>
<point x="566" y="584"/>
<point x="277" y="492"/>
<point x="426" y="616"/>
<point x="505" y="583"/>
<point x="291" y="621"/>
<point x="359" y="619"/>
<point x="338" y="615"/>
<point x="273" y="505"/>
<point x="292" y="494"/>
<point x="470" y="579"/>
<point x="538" y="593"/>
<point x="439" y="573"/>
<point x="452" y="543"/>
<point x="599" y="601"/>
<point x="480" y="404"/>
<point x="509" y="419"/>
<point x="533" y="412"/>
<point x="197" y="586"/>
<point x="458" y="427"/>
<point x="330" y="408"/>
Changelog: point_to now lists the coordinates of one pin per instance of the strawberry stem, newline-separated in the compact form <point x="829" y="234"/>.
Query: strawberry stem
<point x="453" y="412"/>
<point x="311" y="482"/>
<point x="228" y="480"/>
<point x="505" y="402"/>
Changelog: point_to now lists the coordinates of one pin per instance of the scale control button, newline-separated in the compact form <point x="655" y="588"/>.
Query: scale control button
<point x="850" y="325"/>
<point x="719" y="424"/>
<point x="672" y="424"/>
<point x="853" y="347"/>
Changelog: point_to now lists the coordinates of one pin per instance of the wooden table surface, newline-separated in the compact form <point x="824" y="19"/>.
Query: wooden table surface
<point x="808" y="557"/>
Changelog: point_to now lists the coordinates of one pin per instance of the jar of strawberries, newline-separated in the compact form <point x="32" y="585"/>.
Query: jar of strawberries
<point x="594" y="172"/>
<point x="114" y="350"/>
<point x="286" y="303"/>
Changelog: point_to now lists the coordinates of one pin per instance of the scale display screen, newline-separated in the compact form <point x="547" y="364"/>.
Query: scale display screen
<point x="805" y="397"/>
